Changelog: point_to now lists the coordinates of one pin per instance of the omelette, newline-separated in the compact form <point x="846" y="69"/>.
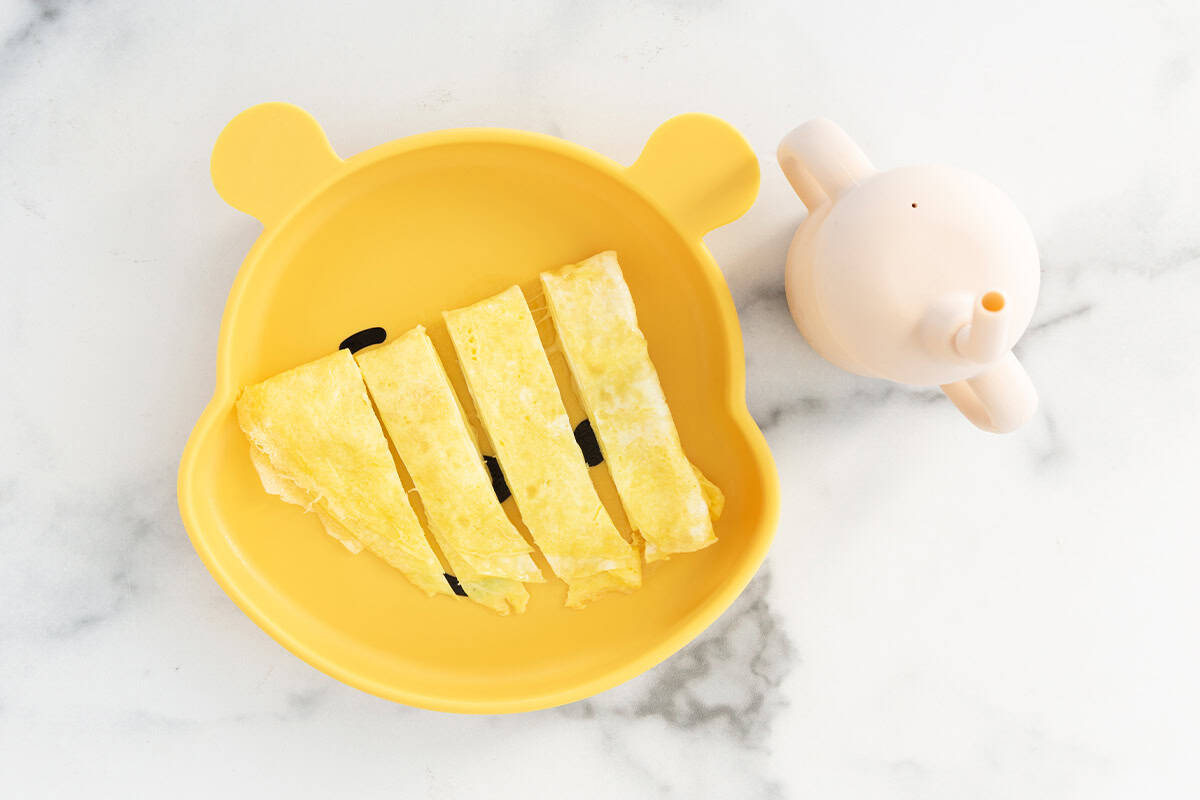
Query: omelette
<point x="517" y="399"/>
<point x="669" y="503"/>
<point x="422" y="417"/>
<point x="315" y="442"/>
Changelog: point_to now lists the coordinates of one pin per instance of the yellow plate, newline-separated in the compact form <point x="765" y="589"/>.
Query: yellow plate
<point x="390" y="238"/>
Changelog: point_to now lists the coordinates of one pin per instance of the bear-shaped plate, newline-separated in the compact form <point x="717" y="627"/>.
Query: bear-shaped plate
<point x="390" y="238"/>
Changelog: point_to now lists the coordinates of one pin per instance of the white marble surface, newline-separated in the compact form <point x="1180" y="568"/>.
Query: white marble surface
<point x="945" y="614"/>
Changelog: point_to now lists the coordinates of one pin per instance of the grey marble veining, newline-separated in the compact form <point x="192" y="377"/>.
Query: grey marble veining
<point x="725" y="682"/>
<point x="41" y="14"/>
<point x="944" y="614"/>
<point x="724" y="687"/>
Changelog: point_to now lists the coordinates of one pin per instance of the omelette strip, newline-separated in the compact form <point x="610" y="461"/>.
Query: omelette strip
<point x="316" y="442"/>
<point x="422" y="417"/>
<point x="517" y="399"/>
<point x="583" y="590"/>
<point x="662" y="492"/>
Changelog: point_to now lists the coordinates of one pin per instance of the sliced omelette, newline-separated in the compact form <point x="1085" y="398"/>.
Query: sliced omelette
<point x="518" y="401"/>
<point x="423" y="418"/>
<point x="316" y="442"/>
<point x="668" y="502"/>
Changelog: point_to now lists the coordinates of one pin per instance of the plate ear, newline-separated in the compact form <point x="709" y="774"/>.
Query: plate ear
<point x="700" y="170"/>
<point x="268" y="158"/>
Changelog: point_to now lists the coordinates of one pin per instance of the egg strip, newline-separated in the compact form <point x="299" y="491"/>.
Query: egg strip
<point x="315" y="442"/>
<point x="518" y="402"/>
<point x="662" y="492"/>
<point x="422" y="417"/>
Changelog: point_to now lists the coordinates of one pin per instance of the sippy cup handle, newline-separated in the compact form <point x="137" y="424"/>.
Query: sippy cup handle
<point x="821" y="161"/>
<point x="999" y="400"/>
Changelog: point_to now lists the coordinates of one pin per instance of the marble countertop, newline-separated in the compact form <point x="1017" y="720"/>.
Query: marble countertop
<point x="944" y="614"/>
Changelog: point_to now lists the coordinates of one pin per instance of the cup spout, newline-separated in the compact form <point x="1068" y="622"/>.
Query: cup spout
<point x="982" y="340"/>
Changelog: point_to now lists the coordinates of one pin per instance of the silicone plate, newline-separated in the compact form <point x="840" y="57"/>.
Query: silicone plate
<point x="390" y="238"/>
